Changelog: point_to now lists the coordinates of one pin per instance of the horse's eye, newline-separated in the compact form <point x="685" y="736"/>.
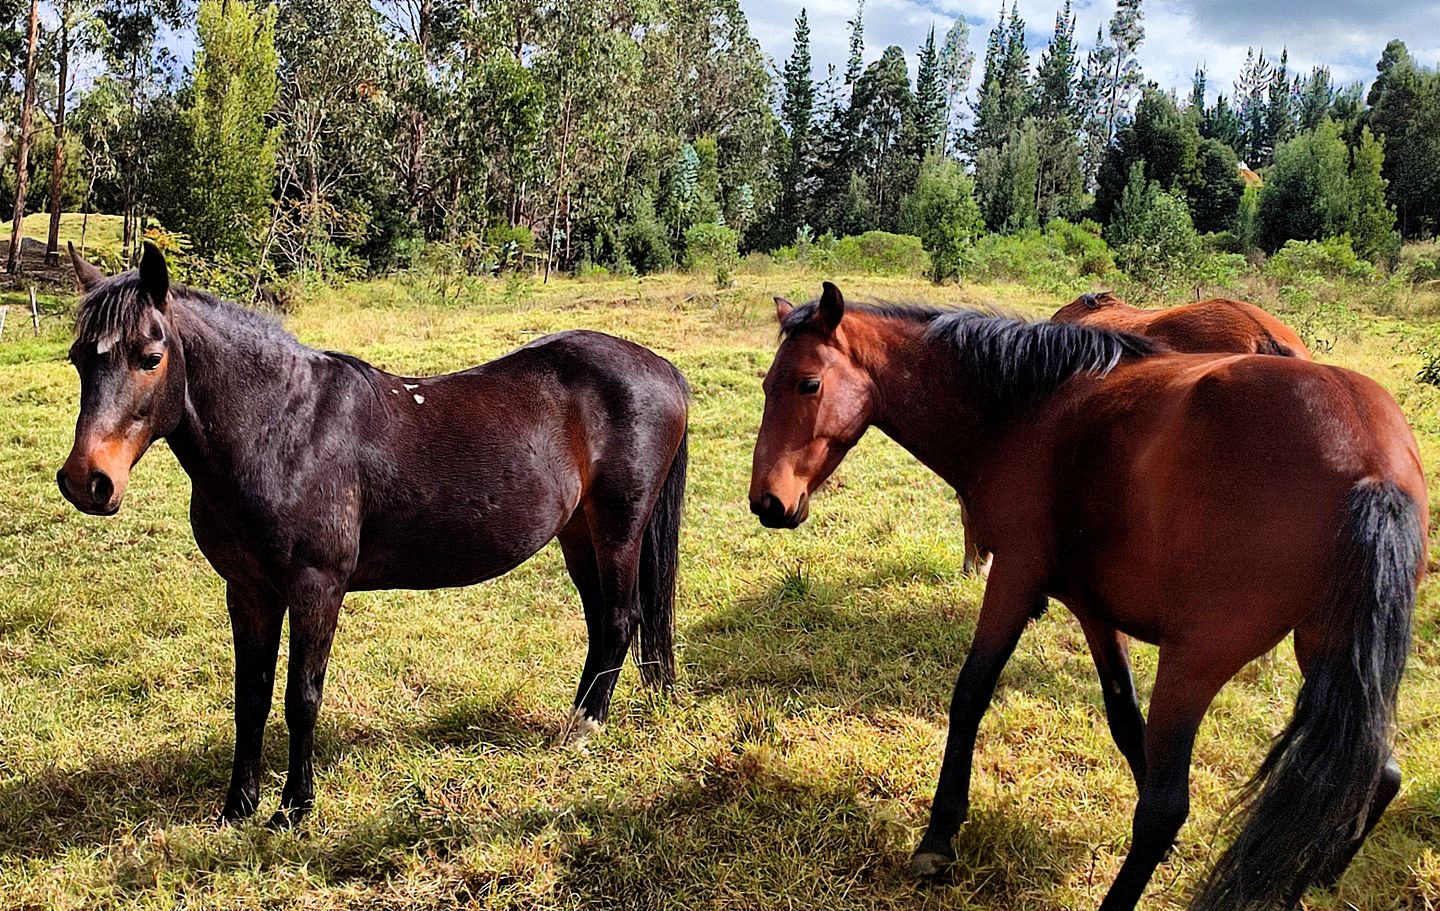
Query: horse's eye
<point x="810" y="385"/>
<point x="150" y="361"/>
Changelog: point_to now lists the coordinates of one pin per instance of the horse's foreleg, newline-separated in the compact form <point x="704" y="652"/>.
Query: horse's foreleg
<point x="255" y="622"/>
<point x="977" y="558"/>
<point x="1009" y="605"/>
<point x="314" y="609"/>
<point x="1111" y="651"/>
<point x="1184" y="687"/>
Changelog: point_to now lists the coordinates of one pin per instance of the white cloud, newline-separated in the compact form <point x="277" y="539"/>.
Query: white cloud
<point x="1179" y="34"/>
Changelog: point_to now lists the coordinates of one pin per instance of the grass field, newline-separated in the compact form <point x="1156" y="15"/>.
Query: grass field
<point x="791" y="768"/>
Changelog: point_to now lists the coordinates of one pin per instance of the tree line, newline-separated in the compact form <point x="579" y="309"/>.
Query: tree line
<point x="341" y="136"/>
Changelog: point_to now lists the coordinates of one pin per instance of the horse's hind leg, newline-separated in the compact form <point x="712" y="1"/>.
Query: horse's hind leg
<point x="977" y="558"/>
<point x="1184" y="688"/>
<point x="1111" y="651"/>
<point x="255" y="622"/>
<point x="602" y="553"/>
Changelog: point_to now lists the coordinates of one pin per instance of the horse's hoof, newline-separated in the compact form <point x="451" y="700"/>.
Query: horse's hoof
<point x="930" y="864"/>
<point x="286" y="818"/>
<point x="579" y="730"/>
<point x="229" y="821"/>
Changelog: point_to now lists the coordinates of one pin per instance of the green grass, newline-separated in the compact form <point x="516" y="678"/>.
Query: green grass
<point x="792" y="767"/>
<point x="103" y="232"/>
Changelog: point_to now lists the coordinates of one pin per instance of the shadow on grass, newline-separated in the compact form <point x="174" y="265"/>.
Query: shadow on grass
<point x="44" y="814"/>
<point x="802" y="636"/>
<point x="746" y="834"/>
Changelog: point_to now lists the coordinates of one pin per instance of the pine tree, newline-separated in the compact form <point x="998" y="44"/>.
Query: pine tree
<point x="855" y="65"/>
<point x="989" y="129"/>
<point x="797" y="113"/>
<point x="1317" y="94"/>
<point x="1371" y="218"/>
<point x="929" y="101"/>
<point x="1197" y="92"/>
<point x="1058" y="182"/>
<point x="1279" y="124"/>
<point x="1056" y="74"/>
<point x="1251" y="104"/>
<point x="955" y="62"/>
<point x="1127" y="31"/>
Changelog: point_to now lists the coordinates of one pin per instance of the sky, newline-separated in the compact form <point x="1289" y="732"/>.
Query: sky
<point x="1179" y="34"/>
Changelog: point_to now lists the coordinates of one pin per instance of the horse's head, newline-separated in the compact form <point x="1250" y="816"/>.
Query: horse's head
<point x="1084" y="306"/>
<point x="132" y="379"/>
<point x="818" y="402"/>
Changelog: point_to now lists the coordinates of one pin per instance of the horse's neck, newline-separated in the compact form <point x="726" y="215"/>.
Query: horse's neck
<point x="920" y="402"/>
<point x="239" y="385"/>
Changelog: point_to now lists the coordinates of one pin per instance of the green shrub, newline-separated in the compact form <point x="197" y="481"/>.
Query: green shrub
<point x="1064" y="257"/>
<point x="1420" y="263"/>
<point x="881" y="253"/>
<point x="1160" y="248"/>
<point x="1429" y="365"/>
<point x="1333" y="258"/>
<point x="711" y="246"/>
<point x="942" y="212"/>
<point x="645" y="244"/>
<point x="506" y="247"/>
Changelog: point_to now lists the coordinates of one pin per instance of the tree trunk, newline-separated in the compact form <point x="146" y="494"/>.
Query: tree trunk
<point x="22" y="151"/>
<point x="417" y="116"/>
<point x="57" y="171"/>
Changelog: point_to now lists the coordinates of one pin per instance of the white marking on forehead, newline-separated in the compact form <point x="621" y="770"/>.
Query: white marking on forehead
<point x="419" y="399"/>
<point x="106" y="343"/>
<point x="410" y="386"/>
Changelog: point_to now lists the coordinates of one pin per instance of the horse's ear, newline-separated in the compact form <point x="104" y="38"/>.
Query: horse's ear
<point x="782" y="308"/>
<point x="86" y="274"/>
<point x="832" y="306"/>
<point x="154" y="276"/>
<point x="1091" y="301"/>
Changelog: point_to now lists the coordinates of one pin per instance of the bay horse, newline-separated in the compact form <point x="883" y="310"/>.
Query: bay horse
<point x="315" y="474"/>
<point x="1210" y="505"/>
<point x="1218" y="325"/>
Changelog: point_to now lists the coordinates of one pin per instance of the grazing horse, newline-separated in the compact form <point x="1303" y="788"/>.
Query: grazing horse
<point x="315" y="474"/>
<point x="1210" y="505"/>
<point x="1216" y="325"/>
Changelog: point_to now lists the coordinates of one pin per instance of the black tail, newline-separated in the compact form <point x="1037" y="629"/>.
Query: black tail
<point x="659" y="556"/>
<point x="1304" y="807"/>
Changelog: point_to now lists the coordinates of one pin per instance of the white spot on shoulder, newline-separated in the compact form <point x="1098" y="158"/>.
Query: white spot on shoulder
<point x="410" y="386"/>
<point x="419" y="399"/>
<point x="394" y="391"/>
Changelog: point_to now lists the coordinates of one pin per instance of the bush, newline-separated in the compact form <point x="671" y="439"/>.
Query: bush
<point x="1161" y="249"/>
<point x="711" y="246"/>
<point x="1420" y="263"/>
<point x="1333" y="258"/>
<point x="506" y="247"/>
<point x="942" y="212"/>
<point x="1429" y="365"/>
<point x="1064" y="257"/>
<point x="881" y="253"/>
<point x="644" y="241"/>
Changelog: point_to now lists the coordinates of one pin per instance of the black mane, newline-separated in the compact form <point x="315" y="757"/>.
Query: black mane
<point x="112" y="310"/>
<point x="1015" y="363"/>
<point x="802" y="315"/>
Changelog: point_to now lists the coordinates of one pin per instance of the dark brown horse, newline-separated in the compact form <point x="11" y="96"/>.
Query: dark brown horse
<point x="1216" y="325"/>
<point x="314" y="474"/>
<point x="1210" y="505"/>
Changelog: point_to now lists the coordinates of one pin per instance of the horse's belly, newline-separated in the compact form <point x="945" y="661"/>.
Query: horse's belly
<point x="456" y="542"/>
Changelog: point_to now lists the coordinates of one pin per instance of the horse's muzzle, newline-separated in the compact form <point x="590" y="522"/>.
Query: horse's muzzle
<point x="97" y="499"/>
<point x="773" y="514"/>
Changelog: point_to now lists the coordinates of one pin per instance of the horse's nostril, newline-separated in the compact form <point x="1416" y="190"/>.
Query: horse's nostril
<point x="60" y="481"/>
<point x="101" y="488"/>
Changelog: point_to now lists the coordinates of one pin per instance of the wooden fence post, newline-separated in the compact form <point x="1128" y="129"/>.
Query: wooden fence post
<point x="34" y="312"/>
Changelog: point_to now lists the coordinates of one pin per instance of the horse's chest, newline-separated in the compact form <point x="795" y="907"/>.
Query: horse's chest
<point x="266" y="541"/>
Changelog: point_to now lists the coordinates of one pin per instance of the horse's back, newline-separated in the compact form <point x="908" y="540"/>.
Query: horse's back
<point x="1218" y="325"/>
<point x="1198" y="469"/>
